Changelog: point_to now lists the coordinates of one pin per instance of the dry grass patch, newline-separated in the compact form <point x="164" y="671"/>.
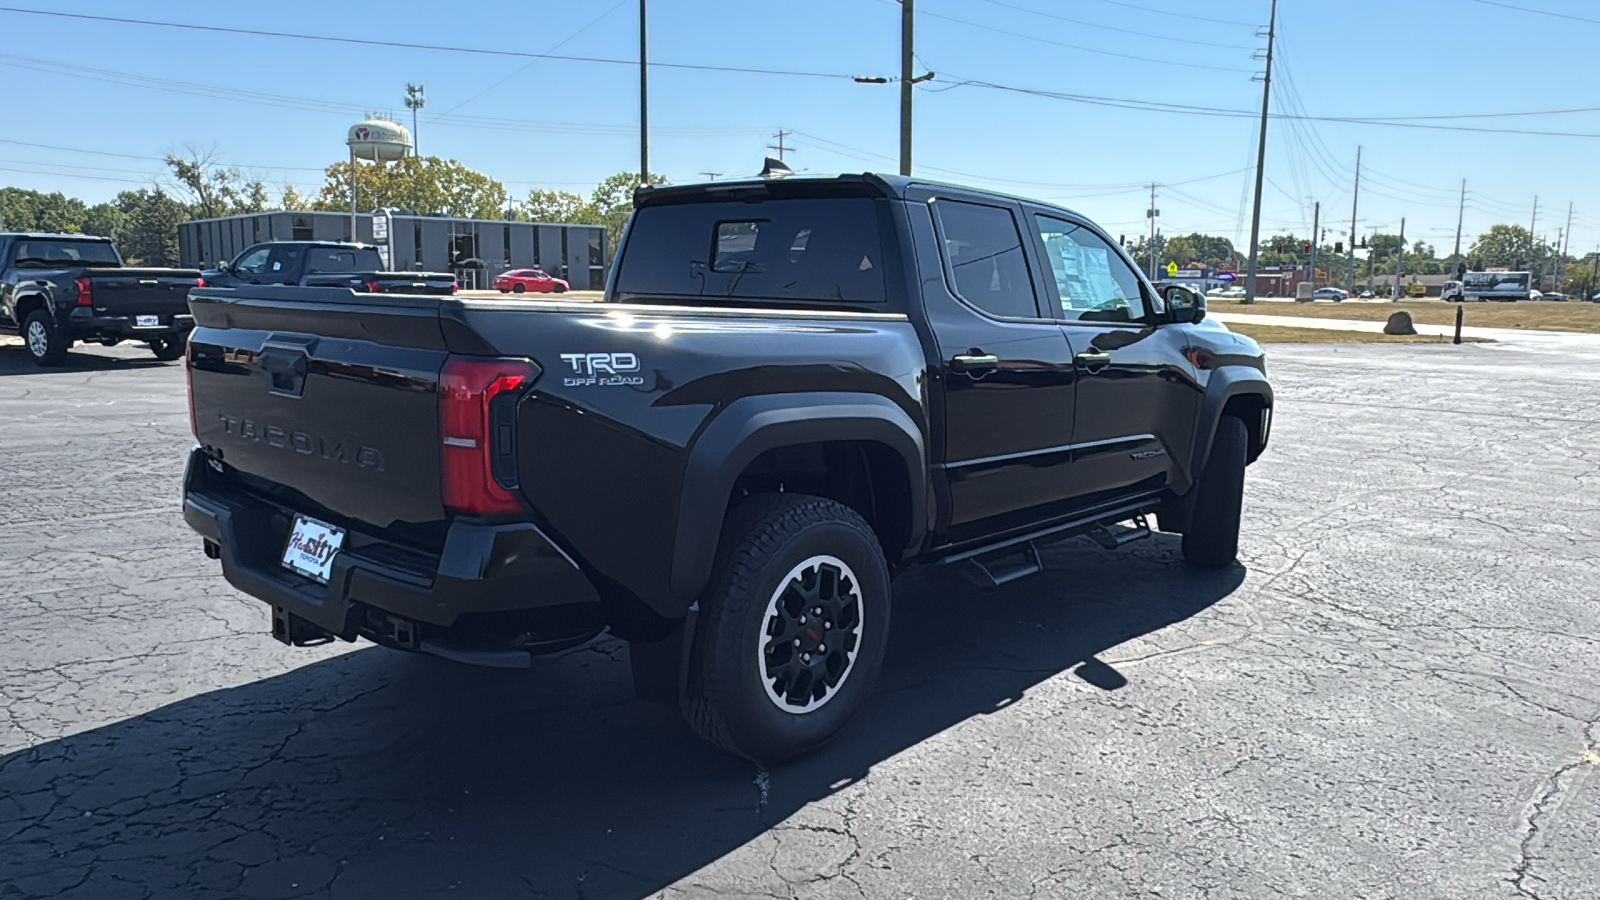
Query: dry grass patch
<point x="1536" y="315"/>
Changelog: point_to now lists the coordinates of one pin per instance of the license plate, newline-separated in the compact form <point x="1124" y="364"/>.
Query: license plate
<point x="311" y="548"/>
<point x="147" y="321"/>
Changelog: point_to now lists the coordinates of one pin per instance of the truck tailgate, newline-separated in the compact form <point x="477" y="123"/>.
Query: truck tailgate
<point x="142" y="292"/>
<point x="326" y="399"/>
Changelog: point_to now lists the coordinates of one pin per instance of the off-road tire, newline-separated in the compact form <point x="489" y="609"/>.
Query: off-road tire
<point x="45" y="343"/>
<point x="1212" y="538"/>
<point x="168" y="349"/>
<point x="728" y="699"/>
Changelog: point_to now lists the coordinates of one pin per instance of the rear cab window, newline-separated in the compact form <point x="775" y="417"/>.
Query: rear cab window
<point x="801" y="251"/>
<point x="45" y="252"/>
<point x="324" y="260"/>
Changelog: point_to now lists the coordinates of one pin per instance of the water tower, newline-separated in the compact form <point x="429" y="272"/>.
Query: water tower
<point x="376" y="139"/>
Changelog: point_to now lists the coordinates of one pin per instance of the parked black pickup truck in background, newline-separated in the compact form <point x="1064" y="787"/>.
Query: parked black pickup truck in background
<point x="324" y="264"/>
<point x="795" y="390"/>
<point x="56" y="289"/>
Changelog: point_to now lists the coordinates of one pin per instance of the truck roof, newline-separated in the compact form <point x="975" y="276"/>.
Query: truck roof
<point x="894" y="186"/>
<point x="55" y="234"/>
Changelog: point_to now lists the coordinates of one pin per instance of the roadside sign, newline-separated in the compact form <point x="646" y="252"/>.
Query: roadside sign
<point x="1172" y="269"/>
<point x="1227" y="276"/>
<point x="380" y="228"/>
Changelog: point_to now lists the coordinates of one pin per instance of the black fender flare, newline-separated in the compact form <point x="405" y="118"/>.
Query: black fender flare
<point x="22" y="300"/>
<point x="750" y="426"/>
<point x="1224" y="384"/>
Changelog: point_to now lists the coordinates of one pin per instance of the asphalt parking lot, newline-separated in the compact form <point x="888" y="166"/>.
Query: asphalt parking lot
<point x="1395" y="696"/>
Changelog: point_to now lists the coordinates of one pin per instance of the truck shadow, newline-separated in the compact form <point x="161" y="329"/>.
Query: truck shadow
<point x="14" y="360"/>
<point x="376" y="774"/>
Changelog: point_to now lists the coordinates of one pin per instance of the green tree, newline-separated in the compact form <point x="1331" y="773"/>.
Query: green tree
<point x="1511" y="246"/>
<point x="428" y="185"/>
<point x="28" y="210"/>
<point x="216" y="190"/>
<point x="149" y="231"/>
<point x="610" y="205"/>
<point x="104" y="219"/>
<point x="291" y="199"/>
<point x="552" y="206"/>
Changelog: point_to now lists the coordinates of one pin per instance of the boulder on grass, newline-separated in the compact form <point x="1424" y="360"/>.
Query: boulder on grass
<point x="1400" y="323"/>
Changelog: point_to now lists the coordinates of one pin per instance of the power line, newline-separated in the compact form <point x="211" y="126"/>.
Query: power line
<point x="404" y="45"/>
<point x="1179" y="15"/>
<point x="1540" y="12"/>
<point x="1030" y="37"/>
<point x="1216" y="112"/>
<point x="1142" y="34"/>
<point x="532" y="62"/>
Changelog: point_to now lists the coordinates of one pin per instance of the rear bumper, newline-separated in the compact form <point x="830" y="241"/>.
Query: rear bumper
<point x="494" y="588"/>
<point x="83" y="324"/>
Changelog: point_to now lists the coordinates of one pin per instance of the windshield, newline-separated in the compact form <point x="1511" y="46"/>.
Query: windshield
<point x="42" y="252"/>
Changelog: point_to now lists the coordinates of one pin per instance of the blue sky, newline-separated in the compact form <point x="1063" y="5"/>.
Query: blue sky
<point x="280" y="107"/>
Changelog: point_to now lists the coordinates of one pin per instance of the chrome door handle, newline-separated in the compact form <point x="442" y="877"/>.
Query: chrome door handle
<point x="968" y="362"/>
<point x="1093" y="360"/>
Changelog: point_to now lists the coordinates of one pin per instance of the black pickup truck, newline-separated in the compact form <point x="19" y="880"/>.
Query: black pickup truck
<point x="324" y="264"/>
<point x="56" y="289"/>
<point x="793" y="391"/>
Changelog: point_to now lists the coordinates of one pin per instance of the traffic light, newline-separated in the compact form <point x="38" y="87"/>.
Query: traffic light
<point x="1363" y="243"/>
<point x="1280" y="246"/>
<point x="1338" y="246"/>
<point x="1305" y="247"/>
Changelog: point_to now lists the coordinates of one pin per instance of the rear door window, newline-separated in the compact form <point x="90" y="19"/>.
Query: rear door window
<point x="806" y="250"/>
<point x="984" y="250"/>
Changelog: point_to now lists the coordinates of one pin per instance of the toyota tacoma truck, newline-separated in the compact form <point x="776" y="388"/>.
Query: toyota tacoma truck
<point x="358" y="267"/>
<point x="57" y="289"/>
<point x="793" y="391"/>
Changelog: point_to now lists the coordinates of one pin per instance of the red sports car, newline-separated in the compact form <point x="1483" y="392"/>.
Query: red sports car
<point x="517" y="281"/>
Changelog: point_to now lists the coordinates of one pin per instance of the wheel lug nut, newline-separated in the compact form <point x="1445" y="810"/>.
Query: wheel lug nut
<point x="822" y="648"/>
<point x="802" y="620"/>
<point x="826" y="625"/>
<point x="797" y="642"/>
<point x="805" y="657"/>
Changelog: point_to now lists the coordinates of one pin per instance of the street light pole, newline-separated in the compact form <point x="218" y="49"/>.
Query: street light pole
<point x="1261" y="160"/>
<point x="415" y="100"/>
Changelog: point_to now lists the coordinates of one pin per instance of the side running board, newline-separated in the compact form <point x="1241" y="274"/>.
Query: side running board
<point x="1005" y="562"/>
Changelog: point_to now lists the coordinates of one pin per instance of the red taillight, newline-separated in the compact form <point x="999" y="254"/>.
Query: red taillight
<point x="453" y="287"/>
<point x="199" y="282"/>
<point x="372" y="287"/>
<point x="85" y="291"/>
<point x="477" y="428"/>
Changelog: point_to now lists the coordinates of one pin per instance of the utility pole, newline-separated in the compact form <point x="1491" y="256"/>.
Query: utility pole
<point x="905" y="86"/>
<point x="1399" y="254"/>
<point x="1461" y="211"/>
<point x="1533" y="242"/>
<point x="1316" y="224"/>
<point x="1561" y="262"/>
<point x="644" y="101"/>
<point x="415" y="101"/>
<point x="1261" y="161"/>
<point x="1350" y="276"/>
<point x="780" y="145"/>
<point x="1150" y="246"/>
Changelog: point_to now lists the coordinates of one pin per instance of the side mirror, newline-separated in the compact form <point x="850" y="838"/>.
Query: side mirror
<point x="224" y="266"/>
<point x="1184" y="304"/>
